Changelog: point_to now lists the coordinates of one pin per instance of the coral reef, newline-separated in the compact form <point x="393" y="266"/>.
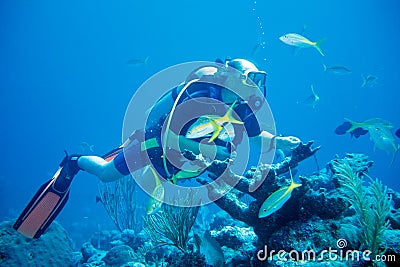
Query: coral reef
<point x="172" y="226"/>
<point x="314" y="218"/>
<point x="233" y="236"/>
<point x="319" y="214"/>
<point x="248" y="214"/>
<point x="119" y="255"/>
<point x="53" y="248"/>
<point x="189" y="259"/>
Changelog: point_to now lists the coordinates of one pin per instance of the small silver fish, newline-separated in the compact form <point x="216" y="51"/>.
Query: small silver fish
<point x="369" y="80"/>
<point x="338" y="70"/>
<point x="313" y="99"/>
<point x="257" y="47"/>
<point x="138" y="62"/>
<point x="86" y="147"/>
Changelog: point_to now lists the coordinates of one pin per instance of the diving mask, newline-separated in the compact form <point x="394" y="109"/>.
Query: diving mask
<point x="252" y="78"/>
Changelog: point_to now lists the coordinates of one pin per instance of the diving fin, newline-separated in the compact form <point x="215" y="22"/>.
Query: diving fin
<point x="48" y="200"/>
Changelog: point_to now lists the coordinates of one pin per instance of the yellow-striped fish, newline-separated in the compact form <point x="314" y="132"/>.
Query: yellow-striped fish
<point x="380" y="132"/>
<point x="211" y="124"/>
<point x="374" y="122"/>
<point x="156" y="198"/>
<point x="300" y="41"/>
<point x="275" y="201"/>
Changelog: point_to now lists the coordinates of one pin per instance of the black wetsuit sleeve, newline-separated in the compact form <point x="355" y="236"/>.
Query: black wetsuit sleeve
<point x="250" y="120"/>
<point x="252" y="127"/>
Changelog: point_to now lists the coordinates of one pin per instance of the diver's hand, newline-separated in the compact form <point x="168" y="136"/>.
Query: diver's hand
<point x="208" y="150"/>
<point x="212" y="151"/>
<point x="286" y="143"/>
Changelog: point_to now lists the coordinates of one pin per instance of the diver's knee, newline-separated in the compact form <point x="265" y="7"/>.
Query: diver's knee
<point x="110" y="173"/>
<point x="91" y="164"/>
<point x="103" y="169"/>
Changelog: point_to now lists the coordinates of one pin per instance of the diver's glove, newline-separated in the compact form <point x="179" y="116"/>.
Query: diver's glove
<point x="286" y="143"/>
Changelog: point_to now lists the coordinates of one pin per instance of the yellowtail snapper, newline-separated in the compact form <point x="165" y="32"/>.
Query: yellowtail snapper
<point x="381" y="134"/>
<point x="277" y="199"/>
<point x="211" y="124"/>
<point x="156" y="198"/>
<point x="297" y="40"/>
<point x="374" y="122"/>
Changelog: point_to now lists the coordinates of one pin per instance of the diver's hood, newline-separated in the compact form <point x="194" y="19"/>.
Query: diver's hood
<point x="242" y="65"/>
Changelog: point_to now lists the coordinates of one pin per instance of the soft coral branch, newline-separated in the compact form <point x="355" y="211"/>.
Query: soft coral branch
<point x="231" y="203"/>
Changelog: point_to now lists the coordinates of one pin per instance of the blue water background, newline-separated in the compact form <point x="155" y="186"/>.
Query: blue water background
<point x="64" y="78"/>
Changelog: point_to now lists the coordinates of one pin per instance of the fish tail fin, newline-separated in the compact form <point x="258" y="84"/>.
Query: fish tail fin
<point x="174" y="179"/>
<point x="229" y="117"/>
<point x="394" y="155"/>
<point x="354" y="125"/>
<point x="272" y="144"/>
<point x="312" y="89"/>
<point x="325" y="67"/>
<point x="314" y="96"/>
<point x="317" y="46"/>
<point x="146" y="60"/>
<point x="217" y="130"/>
<point x="156" y="178"/>
<point x="364" y="83"/>
<point x="394" y="158"/>
<point x="291" y="175"/>
<point x="293" y="184"/>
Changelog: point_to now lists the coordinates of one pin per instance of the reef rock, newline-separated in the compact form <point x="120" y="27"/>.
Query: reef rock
<point x="106" y="239"/>
<point x="234" y="236"/>
<point x="119" y="255"/>
<point x="53" y="248"/>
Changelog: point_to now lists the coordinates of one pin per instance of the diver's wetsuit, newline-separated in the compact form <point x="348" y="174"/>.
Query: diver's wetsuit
<point x="206" y="99"/>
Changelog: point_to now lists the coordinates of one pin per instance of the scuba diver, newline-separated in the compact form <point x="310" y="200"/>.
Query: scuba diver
<point x="147" y="146"/>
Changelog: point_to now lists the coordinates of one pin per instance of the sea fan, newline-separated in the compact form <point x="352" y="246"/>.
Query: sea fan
<point x="172" y="226"/>
<point x="372" y="206"/>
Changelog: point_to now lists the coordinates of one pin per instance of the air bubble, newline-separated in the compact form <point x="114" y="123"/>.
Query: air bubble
<point x="261" y="33"/>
